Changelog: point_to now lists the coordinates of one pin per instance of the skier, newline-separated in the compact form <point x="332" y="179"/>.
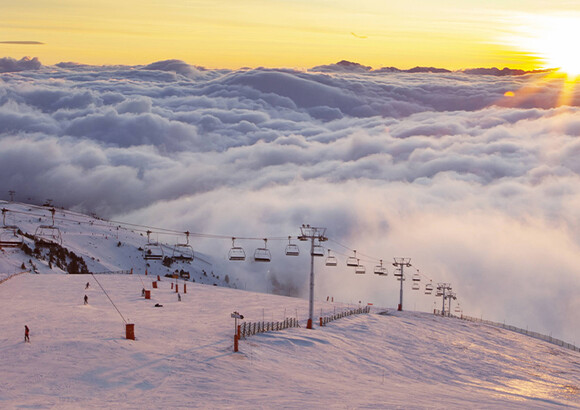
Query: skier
<point x="143" y="292"/>
<point x="179" y="297"/>
<point x="86" y="300"/>
<point x="87" y="285"/>
<point x="26" y="334"/>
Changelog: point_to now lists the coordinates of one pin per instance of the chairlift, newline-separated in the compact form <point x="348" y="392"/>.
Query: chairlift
<point x="417" y="277"/>
<point x="352" y="260"/>
<point x="360" y="269"/>
<point x="292" y="249"/>
<point x="9" y="237"/>
<point x="262" y="254"/>
<point x="183" y="251"/>
<point x="48" y="234"/>
<point x="152" y="250"/>
<point x="236" y="253"/>
<point x="330" y="260"/>
<point x="380" y="269"/>
<point x="398" y="272"/>
<point x="317" y="250"/>
<point x="428" y="288"/>
<point x="415" y="286"/>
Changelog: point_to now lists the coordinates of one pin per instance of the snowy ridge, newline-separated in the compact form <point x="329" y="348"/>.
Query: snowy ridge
<point x="183" y="358"/>
<point x="104" y="246"/>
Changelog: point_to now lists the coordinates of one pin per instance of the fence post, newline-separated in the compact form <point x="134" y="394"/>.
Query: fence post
<point x="235" y="343"/>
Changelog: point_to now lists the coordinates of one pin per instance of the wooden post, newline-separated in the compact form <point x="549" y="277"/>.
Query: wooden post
<point x="176" y="288"/>
<point x="147" y="294"/>
<point x="185" y="288"/>
<point x="236" y="338"/>
<point x="154" y="284"/>
<point x="130" y="331"/>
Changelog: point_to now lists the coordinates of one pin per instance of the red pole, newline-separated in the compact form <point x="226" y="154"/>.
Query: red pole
<point x="145" y="272"/>
<point x="309" y="324"/>
<point x="176" y="288"/>
<point x="235" y="343"/>
<point x="171" y="285"/>
<point x="239" y="330"/>
<point x="158" y="278"/>
<point x="321" y="322"/>
<point x="185" y="288"/>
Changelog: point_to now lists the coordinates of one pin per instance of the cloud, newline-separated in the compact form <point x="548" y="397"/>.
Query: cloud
<point x="22" y="42"/>
<point x="9" y="65"/>
<point x="480" y="189"/>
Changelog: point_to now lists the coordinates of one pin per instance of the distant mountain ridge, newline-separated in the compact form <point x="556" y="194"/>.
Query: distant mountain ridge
<point x="9" y="64"/>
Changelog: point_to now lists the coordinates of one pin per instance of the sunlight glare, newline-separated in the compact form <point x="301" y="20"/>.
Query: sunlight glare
<point x="553" y="40"/>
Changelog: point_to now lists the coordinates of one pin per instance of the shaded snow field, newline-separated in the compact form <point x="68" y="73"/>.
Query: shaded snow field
<point x="183" y="355"/>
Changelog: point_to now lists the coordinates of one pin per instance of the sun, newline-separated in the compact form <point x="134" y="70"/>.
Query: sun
<point x="552" y="40"/>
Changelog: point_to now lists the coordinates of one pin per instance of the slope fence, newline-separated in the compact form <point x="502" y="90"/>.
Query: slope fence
<point x="113" y="272"/>
<point x="526" y="332"/>
<point x="247" y="329"/>
<point x="11" y="276"/>
<point x="327" y="319"/>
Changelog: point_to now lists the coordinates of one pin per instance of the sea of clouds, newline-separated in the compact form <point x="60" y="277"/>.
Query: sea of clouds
<point x="475" y="177"/>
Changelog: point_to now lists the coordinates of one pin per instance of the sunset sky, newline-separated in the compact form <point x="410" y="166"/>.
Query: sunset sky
<point x="286" y="33"/>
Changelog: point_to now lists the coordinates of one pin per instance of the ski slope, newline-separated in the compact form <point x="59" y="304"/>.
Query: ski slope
<point x="183" y="353"/>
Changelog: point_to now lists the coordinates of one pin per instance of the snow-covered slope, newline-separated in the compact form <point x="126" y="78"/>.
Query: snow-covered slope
<point x="182" y="357"/>
<point x="103" y="245"/>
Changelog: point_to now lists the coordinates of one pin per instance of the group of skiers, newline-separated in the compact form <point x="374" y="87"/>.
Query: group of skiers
<point x="86" y="302"/>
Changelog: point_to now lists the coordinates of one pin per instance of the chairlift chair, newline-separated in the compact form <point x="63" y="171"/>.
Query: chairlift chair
<point x="236" y="253"/>
<point x="262" y="254"/>
<point x="330" y="260"/>
<point x="292" y="249"/>
<point x="360" y="269"/>
<point x="317" y="250"/>
<point x="428" y="288"/>
<point x="398" y="273"/>
<point x="152" y="250"/>
<point x="416" y="277"/>
<point x="415" y="286"/>
<point x="352" y="260"/>
<point x="183" y="251"/>
<point x="380" y="269"/>
<point x="9" y="237"/>
<point x="48" y="234"/>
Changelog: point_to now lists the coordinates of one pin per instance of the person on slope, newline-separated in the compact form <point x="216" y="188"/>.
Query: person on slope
<point x="86" y="300"/>
<point x="87" y="285"/>
<point x="26" y="334"/>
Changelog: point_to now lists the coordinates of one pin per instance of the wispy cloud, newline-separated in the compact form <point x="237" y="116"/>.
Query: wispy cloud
<point x="22" y="42"/>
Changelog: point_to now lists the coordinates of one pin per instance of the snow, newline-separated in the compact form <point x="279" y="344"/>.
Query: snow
<point x="183" y="353"/>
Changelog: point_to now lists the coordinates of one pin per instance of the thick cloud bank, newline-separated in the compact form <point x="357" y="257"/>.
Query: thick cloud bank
<point x="475" y="177"/>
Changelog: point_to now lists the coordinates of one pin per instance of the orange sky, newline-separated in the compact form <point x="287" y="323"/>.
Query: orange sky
<point x="274" y="33"/>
